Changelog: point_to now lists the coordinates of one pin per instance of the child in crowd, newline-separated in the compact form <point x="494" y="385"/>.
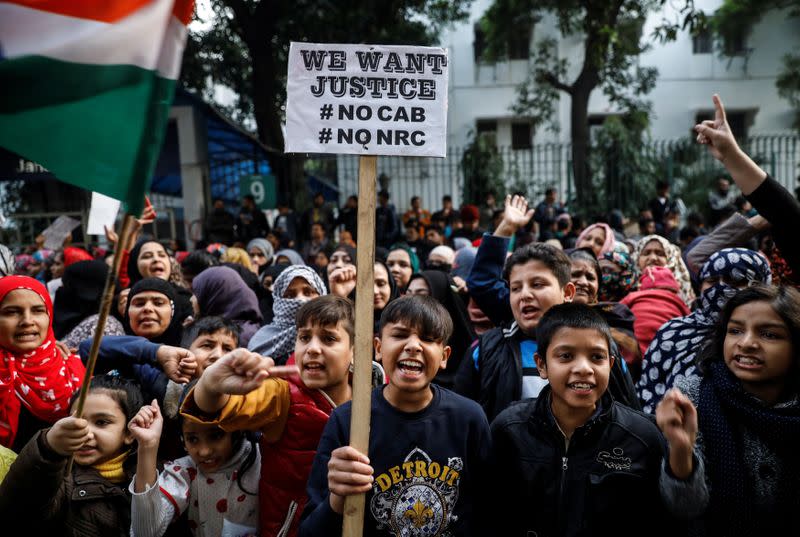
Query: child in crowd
<point x="36" y="498"/>
<point x="234" y="393"/>
<point x="656" y="302"/>
<point x="428" y="446"/>
<point x="573" y="461"/>
<point x="500" y="366"/>
<point x="217" y="483"/>
<point x="734" y="433"/>
<point x="36" y="380"/>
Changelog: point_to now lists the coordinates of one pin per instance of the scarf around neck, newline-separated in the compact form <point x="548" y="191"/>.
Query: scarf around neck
<point x="674" y="263"/>
<point x="43" y="380"/>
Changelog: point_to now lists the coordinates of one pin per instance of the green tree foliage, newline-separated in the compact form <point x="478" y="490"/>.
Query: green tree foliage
<point x="246" y="45"/>
<point x="611" y="41"/>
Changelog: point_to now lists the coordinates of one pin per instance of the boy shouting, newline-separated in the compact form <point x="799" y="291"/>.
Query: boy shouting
<point x="428" y="446"/>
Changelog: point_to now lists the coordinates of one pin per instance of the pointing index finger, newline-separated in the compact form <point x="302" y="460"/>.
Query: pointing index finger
<point x="719" y="114"/>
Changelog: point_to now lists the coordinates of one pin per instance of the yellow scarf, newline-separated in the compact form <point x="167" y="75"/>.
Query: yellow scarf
<point x="112" y="469"/>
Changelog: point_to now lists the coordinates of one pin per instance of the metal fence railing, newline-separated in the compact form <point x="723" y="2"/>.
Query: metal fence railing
<point x="621" y="177"/>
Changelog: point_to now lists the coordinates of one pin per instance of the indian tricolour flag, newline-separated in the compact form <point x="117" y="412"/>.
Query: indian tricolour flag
<point x="86" y="86"/>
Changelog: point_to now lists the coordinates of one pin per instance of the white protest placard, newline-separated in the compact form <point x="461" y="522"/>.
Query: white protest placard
<point x="367" y="100"/>
<point x="55" y="234"/>
<point x="102" y="213"/>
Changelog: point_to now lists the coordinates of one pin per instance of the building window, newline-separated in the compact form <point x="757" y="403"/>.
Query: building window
<point x="479" y="44"/>
<point x="702" y="42"/>
<point x="519" y="44"/>
<point x="521" y="136"/>
<point x="736" y="43"/>
<point x="739" y="121"/>
<point x="487" y="128"/>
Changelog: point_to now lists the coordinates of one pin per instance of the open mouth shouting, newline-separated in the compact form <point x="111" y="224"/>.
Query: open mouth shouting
<point x="744" y="361"/>
<point x="158" y="270"/>
<point x="529" y="312"/>
<point x="26" y="336"/>
<point x="314" y="369"/>
<point x="411" y="369"/>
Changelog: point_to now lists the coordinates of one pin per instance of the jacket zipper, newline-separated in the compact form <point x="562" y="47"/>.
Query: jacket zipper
<point x="287" y="524"/>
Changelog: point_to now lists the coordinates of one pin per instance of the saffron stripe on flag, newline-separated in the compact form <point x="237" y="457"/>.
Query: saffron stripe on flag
<point x="98" y="10"/>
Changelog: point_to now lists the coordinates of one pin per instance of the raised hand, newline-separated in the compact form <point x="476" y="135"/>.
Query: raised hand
<point x="677" y="418"/>
<point x="178" y="364"/>
<point x="716" y="133"/>
<point x="349" y="473"/>
<point x="515" y="216"/>
<point x="146" y="426"/>
<point x="343" y="280"/>
<point x="68" y="435"/>
<point x="237" y="373"/>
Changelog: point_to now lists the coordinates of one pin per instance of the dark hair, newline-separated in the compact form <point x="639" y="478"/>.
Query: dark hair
<point x="688" y="233"/>
<point x="549" y="190"/>
<point x="249" y="197"/>
<point x="423" y="313"/>
<point x="328" y="310"/>
<point x="586" y="254"/>
<point x="661" y="185"/>
<point x="209" y="325"/>
<point x="553" y="258"/>
<point x="644" y="222"/>
<point x="786" y="303"/>
<point x="383" y="194"/>
<point x="447" y="197"/>
<point x="237" y="437"/>
<point x="126" y="393"/>
<point x="414" y="198"/>
<point x="198" y="261"/>
<point x="569" y="315"/>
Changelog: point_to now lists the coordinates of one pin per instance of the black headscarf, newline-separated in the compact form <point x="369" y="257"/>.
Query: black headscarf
<point x="133" y="260"/>
<point x="265" y="302"/>
<point x="394" y="293"/>
<point x="441" y="288"/>
<point x="79" y="296"/>
<point x="174" y="332"/>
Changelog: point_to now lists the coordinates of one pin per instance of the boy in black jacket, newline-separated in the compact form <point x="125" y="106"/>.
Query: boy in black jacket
<point x="428" y="447"/>
<point x="573" y="461"/>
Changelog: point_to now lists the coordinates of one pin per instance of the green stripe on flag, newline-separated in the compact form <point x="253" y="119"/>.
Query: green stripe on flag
<point x="98" y="127"/>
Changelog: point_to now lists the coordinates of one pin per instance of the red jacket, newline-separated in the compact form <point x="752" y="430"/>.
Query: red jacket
<point x="652" y="308"/>
<point x="286" y="463"/>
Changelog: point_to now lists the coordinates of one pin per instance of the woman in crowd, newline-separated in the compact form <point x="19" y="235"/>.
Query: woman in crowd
<point x="655" y="250"/>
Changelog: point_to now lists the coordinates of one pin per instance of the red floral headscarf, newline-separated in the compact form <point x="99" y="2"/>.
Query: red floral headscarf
<point x="42" y="380"/>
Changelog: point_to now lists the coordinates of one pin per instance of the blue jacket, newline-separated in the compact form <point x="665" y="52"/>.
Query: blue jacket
<point x="134" y="357"/>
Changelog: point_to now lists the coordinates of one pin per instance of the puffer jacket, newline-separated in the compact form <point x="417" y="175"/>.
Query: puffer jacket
<point x="286" y="463"/>
<point x="36" y="499"/>
<point x="604" y="481"/>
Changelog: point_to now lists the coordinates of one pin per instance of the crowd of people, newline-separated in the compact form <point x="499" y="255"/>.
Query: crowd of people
<point x="533" y="373"/>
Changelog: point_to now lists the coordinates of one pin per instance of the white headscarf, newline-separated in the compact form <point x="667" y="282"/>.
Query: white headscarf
<point x="276" y="340"/>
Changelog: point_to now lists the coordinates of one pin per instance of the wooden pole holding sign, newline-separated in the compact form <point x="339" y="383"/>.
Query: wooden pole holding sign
<point x="403" y="112"/>
<point x="362" y="385"/>
<point x="105" y="308"/>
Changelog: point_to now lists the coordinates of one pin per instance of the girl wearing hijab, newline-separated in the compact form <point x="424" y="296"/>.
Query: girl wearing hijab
<point x="597" y="237"/>
<point x="78" y="303"/>
<point x="655" y="250"/>
<point x="151" y="312"/>
<point x="294" y="287"/>
<point x="149" y="259"/>
<point x="260" y="251"/>
<point x="671" y="355"/>
<point x="402" y="262"/>
<point x="290" y="257"/>
<point x="343" y="283"/>
<point x="220" y="291"/>
<point x="440" y="286"/>
<point x="343" y="255"/>
<point x="36" y="380"/>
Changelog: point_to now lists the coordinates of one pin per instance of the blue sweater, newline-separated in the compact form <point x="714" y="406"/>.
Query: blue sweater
<point x="134" y="357"/>
<point x="430" y="469"/>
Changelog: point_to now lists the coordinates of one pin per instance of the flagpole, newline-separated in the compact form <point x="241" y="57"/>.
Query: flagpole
<point x="105" y="308"/>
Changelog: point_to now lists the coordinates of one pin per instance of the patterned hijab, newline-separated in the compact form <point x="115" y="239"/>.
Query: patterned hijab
<point x="43" y="380"/>
<point x="674" y="263"/>
<point x="672" y="353"/>
<point x="276" y="340"/>
<point x="615" y="286"/>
